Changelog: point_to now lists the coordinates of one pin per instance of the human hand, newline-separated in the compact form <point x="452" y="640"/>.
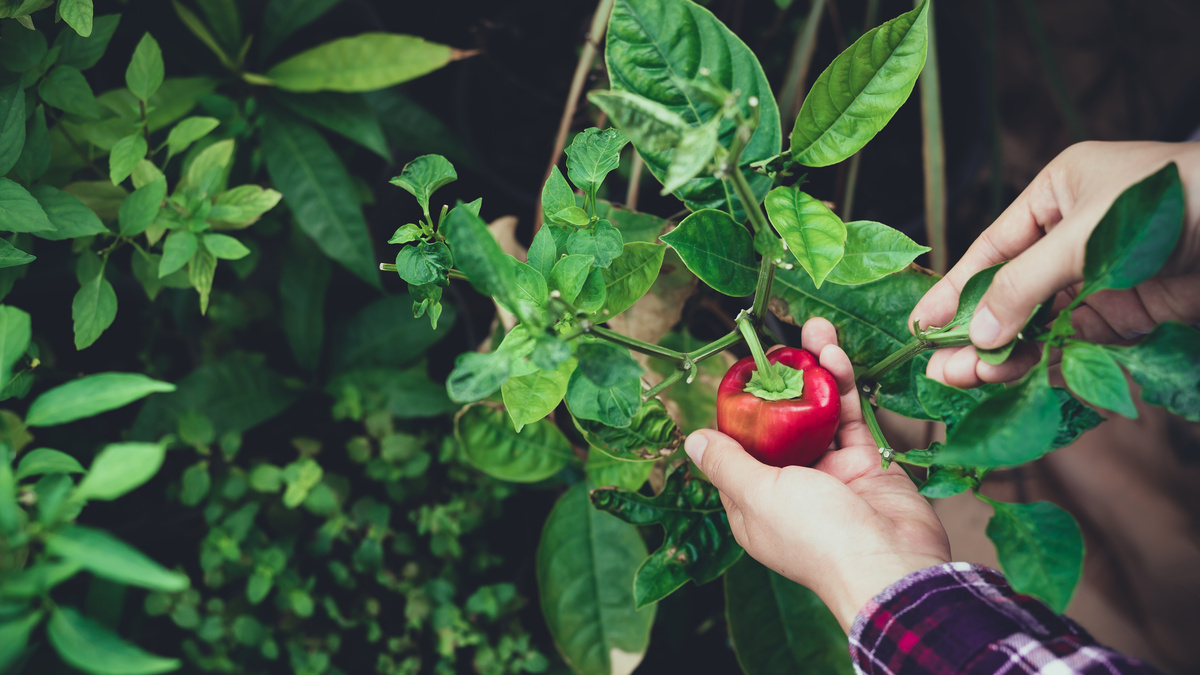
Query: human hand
<point x="1044" y="234"/>
<point x="844" y="528"/>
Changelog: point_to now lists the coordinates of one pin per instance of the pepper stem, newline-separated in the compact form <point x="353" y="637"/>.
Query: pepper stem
<point x="768" y="376"/>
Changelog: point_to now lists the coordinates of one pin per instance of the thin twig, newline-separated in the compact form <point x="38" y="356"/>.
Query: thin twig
<point x="934" y="152"/>
<point x="635" y="181"/>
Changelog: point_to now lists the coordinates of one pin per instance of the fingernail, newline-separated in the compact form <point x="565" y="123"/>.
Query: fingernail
<point x="694" y="446"/>
<point x="984" y="328"/>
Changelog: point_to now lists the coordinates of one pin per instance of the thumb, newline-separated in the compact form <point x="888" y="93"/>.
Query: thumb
<point x="1035" y="276"/>
<point x="726" y="464"/>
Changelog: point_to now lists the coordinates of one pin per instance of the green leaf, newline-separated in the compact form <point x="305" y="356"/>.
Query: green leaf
<point x="718" y="250"/>
<point x="44" y="460"/>
<point x="85" y="52"/>
<point x="77" y="14"/>
<point x="489" y="442"/>
<point x="651" y="435"/>
<point x="145" y="72"/>
<point x="94" y="649"/>
<point x="477" y="376"/>
<point x="591" y="155"/>
<point x="569" y="276"/>
<point x="697" y="543"/>
<point x="585" y="570"/>
<point x="14" y="635"/>
<point x="478" y="255"/>
<point x="93" y="310"/>
<point x="35" y="156"/>
<point x="141" y="208"/>
<point x="90" y="396"/>
<point x="606" y="387"/>
<point x="207" y="170"/>
<point x="1136" y="236"/>
<point x="423" y="176"/>
<point x="873" y="251"/>
<point x="631" y="276"/>
<point x="178" y="250"/>
<point x="65" y="88"/>
<point x="602" y="242"/>
<point x="1165" y="364"/>
<point x="858" y="93"/>
<point x="19" y="211"/>
<point x="946" y="403"/>
<point x="11" y="256"/>
<point x="70" y="217"/>
<point x="37" y="580"/>
<point x="594" y="293"/>
<point x="693" y="154"/>
<point x="406" y="394"/>
<point x="556" y="195"/>
<point x="241" y="207"/>
<point x="15" y="333"/>
<point x="813" y="233"/>
<point x="318" y="190"/>
<point x="1093" y="374"/>
<point x="303" y="284"/>
<point x="235" y="394"/>
<point x="225" y="247"/>
<point x="360" y="63"/>
<point x="652" y="126"/>
<point x="425" y="263"/>
<point x="125" y="155"/>
<point x="405" y="234"/>
<point x="201" y="271"/>
<point x="281" y="18"/>
<point x="119" y="468"/>
<point x="650" y="45"/>
<point x="1075" y="418"/>
<point x="384" y="333"/>
<point x="946" y="482"/>
<point x="12" y="125"/>
<point x="106" y="556"/>
<point x="21" y="49"/>
<point x="543" y="253"/>
<point x="1013" y="427"/>
<point x="531" y="393"/>
<point x="348" y="115"/>
<point x="972" y="292"/>
<point x="606" y="471"/>
<point x="1040" y="548"/>
<point x="188" y="131"/>
<point x="779" y="626"/>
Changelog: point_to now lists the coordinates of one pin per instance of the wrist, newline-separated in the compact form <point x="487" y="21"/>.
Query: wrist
<point x="851" y="587"/>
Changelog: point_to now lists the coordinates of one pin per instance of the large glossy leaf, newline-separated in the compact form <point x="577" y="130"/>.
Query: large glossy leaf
<point x="1093" y="374"/>
<point x="318" y="190"/>
<point x="106" y="556"/>
<point x="1040" y="547"/>
<point x="70" y="217"/>
<point x="119" y="468"/>
<point x="602" y="242"/>
<point x="697" y="545"/>
<point x="946" y="403"/>
<point x="490" y="443"/>
<point x="718" y="250"/>
<point x="303" y="281"/>
<point x="235" y="394"/>
<point x="531" y="393"/>
<point x="606" y="386"/>
<point x="860" y="91"/>
<point x="12" y="125"/>
<point x="385" y="333"/>
<point x="94" y="649"/>
<point x="281" y="18"/>
<point x="90" y="396"/>
<point x="607" y="471"/>
<point x="585" y="568"/>
<point x="360" y="63"/>
<point x="1167" y="365"/>
<point x="873" y="251"/>
<point x="651" y="46"/>
<point x="651" y="435"/>
<point x="630" y="276"/>
<point x="813" y="233"/>
<point x="1136" y="236"/>
<point x="19" y="211"/>
<point x="1015" y="426"/>
<point x="779" y="626"/>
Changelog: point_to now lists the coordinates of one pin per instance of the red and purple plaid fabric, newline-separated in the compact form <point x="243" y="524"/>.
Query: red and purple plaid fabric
<point x="964" y="618"/>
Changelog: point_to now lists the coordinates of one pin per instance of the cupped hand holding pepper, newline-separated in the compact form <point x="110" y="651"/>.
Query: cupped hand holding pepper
<point x="844" y="528"/>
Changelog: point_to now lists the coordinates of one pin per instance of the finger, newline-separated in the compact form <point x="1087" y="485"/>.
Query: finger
<point x="853" y="429"/>
<point x="1049" y="266"/>
<point x="727" y="465"/>
<point x="936" y="369"/>
<point x="959" y="369"/>
<point x="816" y="333"/>
<point x="1020" y="225"/>
<point x="1024" y="357"/>
<point x="773" y="348"/>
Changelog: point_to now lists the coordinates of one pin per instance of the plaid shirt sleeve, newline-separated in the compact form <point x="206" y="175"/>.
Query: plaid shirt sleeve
<point x="964" y="618"/>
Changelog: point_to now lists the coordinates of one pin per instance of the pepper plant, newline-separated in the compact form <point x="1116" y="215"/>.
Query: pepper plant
<point x="695" y="104"/>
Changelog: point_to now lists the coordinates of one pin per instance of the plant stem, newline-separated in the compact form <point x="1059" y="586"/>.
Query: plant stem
<point x="587" y="56"/>
<point x="762" y="291"/>
<point x="934" y="152"/>
<point x="667" y="381"/>
<point x="678" y="358"/>
<point x="956" y="337"/>
<point x="635" y="181"/>
<point x="746" y="195"/>
<point x="771" y="380"/>
<point x="715" y="347"/>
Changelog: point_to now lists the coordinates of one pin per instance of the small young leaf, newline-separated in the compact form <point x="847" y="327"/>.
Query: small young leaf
<point x="94" y="649"/>
<point x="206" y="171"/>
<point x="716" y="249"/>
<point x="592" y="155"/>
<point x="946" y="482"/>
<point x="693" y="154"/>
<point x="1093" y="374"/>
<point x="91" y="395"/>
<point x="77" y="14"/>
<point x="873" y="251"/>
<point x="536" y="452"/>
<point x="477" y="376"/>
<point x="630" y="276"/>
<point x="405" y="234"/>
<point x="425" y="263"/>
<point x="140" y="209"/>
<point x="125" y="155"/>
<point x="1040" y="548"/>
<point x="201" y="271"/>
<point x="569" y="276"/>
<point x="972" y="293"/>
<point x="651" y="126"/>
<point x="145" y="72"/>
<point x="556" y="195"/>
<point x="423" y="176"/>
<point x="241" y="207"/>
<point x="178" y="249"/>
<point x="119" y="468"/>
<point x="93" y="310"/>
<point x="594" y="293"/>
<point x="543" y="253"/>
<point x="531" y="393"/>
<point x="602" y="242"/>
<point x="188" y="131"/>
<point x="813" y="233"/>
<point x="225" y="247"/>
